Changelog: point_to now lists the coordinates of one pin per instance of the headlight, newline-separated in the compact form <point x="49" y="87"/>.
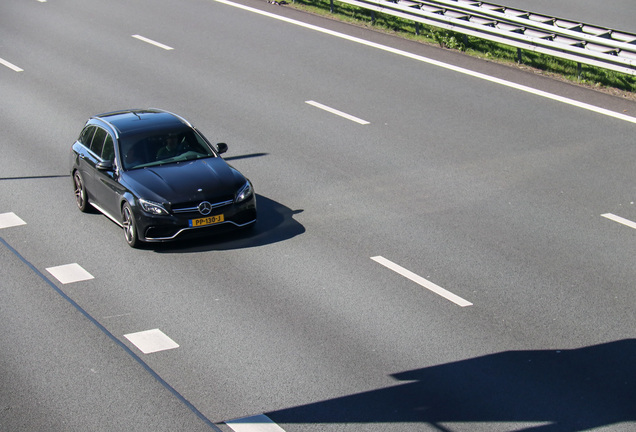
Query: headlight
<point x="152" y="207"/>
<point x="244" y="193"/>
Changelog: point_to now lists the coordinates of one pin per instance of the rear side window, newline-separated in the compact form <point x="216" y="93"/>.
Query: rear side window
<point x="98" y="141"/>
<point x="87" y="135"/>
<point x="108" y="151"/>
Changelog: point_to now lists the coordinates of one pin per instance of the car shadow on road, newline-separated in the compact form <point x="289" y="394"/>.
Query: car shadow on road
<point x="275" y="223"/>
<point x="548" y="391"/>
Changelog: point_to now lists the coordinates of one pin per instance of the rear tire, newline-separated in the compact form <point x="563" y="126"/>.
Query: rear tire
<point x="81" y="198"/>
<point x="130" y="226"/>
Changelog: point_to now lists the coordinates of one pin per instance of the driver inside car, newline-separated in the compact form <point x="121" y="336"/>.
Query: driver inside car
<point x="170" y="149"/>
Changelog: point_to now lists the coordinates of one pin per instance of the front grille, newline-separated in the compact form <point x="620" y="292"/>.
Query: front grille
<point x="193" y="207"/>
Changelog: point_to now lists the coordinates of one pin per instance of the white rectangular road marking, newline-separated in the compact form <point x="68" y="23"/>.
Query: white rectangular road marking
<point x="69" y="273"/>
<point x="620" y="220"/>
<point x="10" y="65"/>
<point x="152" y="42"/>
<point x="8" y="220"/>
<point x="257" y="423"/>
<point x="421" y="281"/>
<point x="151" y="341"/>
<point x="336" y="112"/>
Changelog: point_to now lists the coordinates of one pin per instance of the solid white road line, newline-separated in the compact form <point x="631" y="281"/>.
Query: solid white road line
<point x="150" y="341"/>
<point x="8" y="220"/>
<point x="458" y="69"/>
<point x="620" y="220"/>
<point x="421" y="281"/>
<point x="70" y="273"/>
<point x="336" y="112"/>
<point x="257" y="423"/>
<point x="10" y="65"/>
<point x="152" y="42"/>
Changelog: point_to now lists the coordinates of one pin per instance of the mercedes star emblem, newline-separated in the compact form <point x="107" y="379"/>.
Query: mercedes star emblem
<point x="205" y="208"/>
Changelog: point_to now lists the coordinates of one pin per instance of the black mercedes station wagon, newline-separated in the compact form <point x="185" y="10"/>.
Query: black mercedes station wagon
<point x="157" y="176"/>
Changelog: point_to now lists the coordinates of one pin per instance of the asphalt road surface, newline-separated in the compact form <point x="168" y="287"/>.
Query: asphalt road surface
<point x="443" y="244"/>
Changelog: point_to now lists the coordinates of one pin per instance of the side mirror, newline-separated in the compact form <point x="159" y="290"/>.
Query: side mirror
<point x="221" y="148"/>
<point x="104" y="166"/>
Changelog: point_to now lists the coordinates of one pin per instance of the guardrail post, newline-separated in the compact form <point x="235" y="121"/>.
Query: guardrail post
<point x="578" y="70"/>
<point x="519" y="55"/>
<point x="331" y="6"/>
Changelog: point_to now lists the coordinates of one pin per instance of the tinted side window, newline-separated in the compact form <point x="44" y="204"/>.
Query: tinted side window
<point x="87" y="135"/>
<point x="98" y="141"/>
<point x="108" y="152"/>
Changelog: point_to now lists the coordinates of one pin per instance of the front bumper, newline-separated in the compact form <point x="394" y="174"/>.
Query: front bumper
<point x="152" y="228"/>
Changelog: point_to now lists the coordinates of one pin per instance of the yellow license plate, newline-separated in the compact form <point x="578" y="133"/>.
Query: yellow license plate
<point x="210" y="220"/>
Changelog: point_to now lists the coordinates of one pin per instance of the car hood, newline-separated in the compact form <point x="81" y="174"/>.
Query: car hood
<point x="202" y="179"/>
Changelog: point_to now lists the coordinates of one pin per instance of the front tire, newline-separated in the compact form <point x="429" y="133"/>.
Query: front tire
<point x="81" y="198"/>
<point x="130" y="226"/>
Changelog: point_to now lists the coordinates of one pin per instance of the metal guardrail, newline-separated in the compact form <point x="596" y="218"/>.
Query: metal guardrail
<point x="583" y="43"/>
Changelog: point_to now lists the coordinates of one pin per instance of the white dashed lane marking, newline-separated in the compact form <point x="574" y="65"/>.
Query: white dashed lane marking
<point x="257" y="423"/>
<point x="8" y="220"/>
<point x="152" y="42"/>
<point x="10" y="65"/>
<point x="151" y="341"/>
<point x="421" y="281"/>
<point x="337" y="112"/>
<point x="70" y="273"/>
<point x="620" y="220"/>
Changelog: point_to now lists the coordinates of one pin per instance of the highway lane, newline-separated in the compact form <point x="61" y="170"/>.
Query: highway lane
<point x="296" y="320"/>
<point x="59" y="372"/>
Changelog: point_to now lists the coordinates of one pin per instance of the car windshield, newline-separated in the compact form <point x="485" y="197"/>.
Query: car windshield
<point x="160" y="148"/>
